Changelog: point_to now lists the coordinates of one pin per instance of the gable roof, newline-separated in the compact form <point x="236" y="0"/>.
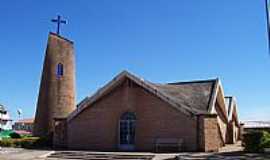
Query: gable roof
<point x="218" y="98"/>
<point x="191" y="98"/>
<point x="231" y="107"/>
<point x="194" y="94"/>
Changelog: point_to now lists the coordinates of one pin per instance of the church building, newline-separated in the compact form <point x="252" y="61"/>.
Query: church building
<point x="130" y="113"/>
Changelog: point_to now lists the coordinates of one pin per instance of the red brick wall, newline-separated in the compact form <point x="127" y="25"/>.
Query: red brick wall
<point x="222" y="124"/>
<point x="96" y="127"/>
<point x="233" y="132"/>
<point x="56" y="94"/>
<point x="209" y="136"/>
<point x="60" y="133"/>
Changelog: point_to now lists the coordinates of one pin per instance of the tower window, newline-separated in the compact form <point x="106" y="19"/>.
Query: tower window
<point x="60" y="70"/>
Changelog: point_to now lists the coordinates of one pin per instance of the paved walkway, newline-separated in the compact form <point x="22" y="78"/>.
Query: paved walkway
<point x="23" y="154"/>
<point x="85" y="155"/>
<point x="224" y="156"/>
<point x="230" y="152"/>
<point x="232" y="147"/>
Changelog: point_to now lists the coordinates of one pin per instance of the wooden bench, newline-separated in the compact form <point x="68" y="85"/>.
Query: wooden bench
<point x="169" y="142"/>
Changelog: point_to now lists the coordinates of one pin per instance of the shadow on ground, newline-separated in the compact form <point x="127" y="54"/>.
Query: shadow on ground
<point x="237" y="155"/>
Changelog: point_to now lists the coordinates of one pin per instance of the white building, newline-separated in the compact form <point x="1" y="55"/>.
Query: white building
<point x="256" y="126"/>
<point x="5" y="120"/>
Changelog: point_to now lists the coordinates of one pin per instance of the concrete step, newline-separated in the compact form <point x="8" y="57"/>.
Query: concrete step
<point x="77" y="155"/>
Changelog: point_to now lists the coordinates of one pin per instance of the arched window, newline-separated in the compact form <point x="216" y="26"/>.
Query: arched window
<point x="127" y="131"/>
<point x="128" y="116"/>
<point x="60" y="70"/>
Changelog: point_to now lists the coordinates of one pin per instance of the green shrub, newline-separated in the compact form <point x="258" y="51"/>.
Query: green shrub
<point x="14" y="135"/>
<point x="44" y="141"/>
<point x="6" y="143"/>
<point x="256" y="141"/>
<point x="21" y="142"/>
<point x="26" y="135"/>
<point x="27" y="142"/>
<point x="265" y="141"/>
<point x="31" y="142"/>
<point x="16" y="143"/>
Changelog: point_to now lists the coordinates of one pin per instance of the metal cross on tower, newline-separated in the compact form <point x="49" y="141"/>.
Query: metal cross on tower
<point x="59" y="21"/>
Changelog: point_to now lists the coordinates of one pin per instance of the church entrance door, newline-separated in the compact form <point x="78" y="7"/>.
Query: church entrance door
<point x="127" y="131"/>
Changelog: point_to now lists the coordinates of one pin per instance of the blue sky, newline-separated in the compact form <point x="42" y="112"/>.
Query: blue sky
<point x="162" y="41"/>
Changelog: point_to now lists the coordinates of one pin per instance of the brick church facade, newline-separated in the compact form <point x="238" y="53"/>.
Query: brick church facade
<point x="132" y="114"/>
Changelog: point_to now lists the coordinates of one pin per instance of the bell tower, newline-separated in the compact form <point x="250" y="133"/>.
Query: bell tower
<point x="56" y="97"/>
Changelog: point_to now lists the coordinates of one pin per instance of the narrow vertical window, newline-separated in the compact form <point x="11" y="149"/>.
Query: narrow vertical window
<point x="60" y="70"/>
